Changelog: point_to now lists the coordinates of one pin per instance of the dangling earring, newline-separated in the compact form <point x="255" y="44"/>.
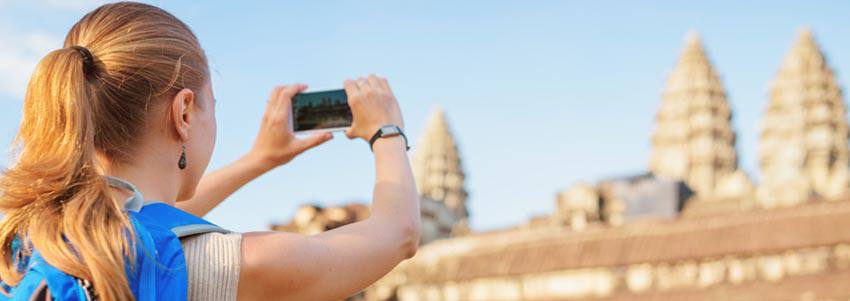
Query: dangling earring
<point x="182" y="162"/>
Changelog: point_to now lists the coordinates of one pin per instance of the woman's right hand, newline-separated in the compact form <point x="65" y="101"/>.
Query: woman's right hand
<point x="373" y="105"/>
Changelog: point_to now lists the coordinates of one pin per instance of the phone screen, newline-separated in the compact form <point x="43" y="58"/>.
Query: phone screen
<point x="320" y="110"/>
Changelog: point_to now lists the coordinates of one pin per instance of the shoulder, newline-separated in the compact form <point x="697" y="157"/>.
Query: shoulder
<point x="213" y="263"/>
<point x="213" y="247"/>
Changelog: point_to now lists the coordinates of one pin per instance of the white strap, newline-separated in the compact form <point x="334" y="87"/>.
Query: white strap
<point x="192" y="229"/>
<point x="133" y="203"/>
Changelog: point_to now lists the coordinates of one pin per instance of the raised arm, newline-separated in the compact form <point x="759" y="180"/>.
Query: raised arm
<point x="335" y="264"/>
<point x="275" y="145"/>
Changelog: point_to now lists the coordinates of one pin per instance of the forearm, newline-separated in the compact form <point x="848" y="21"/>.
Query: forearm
<point x="218" y="185"/>
<point x="395" y="199"/>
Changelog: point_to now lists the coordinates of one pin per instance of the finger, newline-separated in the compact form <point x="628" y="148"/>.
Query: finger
<point x="352" y="92"/>
<point x="386" y="85"/>
<point x="374" y="82"/>
<point x="271" y="104"/>
<point x="350" y="87"/>
<point x="290" y="91"/>
<point x="363" y="84"/>
<point x="350" y="132"/>
<point x="382" y="82"/>
<point x="284" y="105"/>
<point x="275" y="92"/>
<point x="313" y="141"/>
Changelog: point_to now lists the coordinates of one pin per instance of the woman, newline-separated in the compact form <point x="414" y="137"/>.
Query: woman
<point x="129" y="97"/>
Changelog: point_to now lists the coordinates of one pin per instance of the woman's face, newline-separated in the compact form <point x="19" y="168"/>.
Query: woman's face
<point x="201" y="142"/>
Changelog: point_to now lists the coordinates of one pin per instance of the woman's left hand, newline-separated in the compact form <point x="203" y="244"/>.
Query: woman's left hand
<point x="276" y="143"/>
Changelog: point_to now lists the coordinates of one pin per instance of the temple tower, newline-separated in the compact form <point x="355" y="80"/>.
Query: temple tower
<point x="437" y="166"/>
<point x="694" y="141"/>
<point x="803" y="145"/>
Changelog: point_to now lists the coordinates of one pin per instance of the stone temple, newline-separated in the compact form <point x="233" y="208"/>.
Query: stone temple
<point x="693" y="227"/>
<point x="694" y="140"/>
<point x="803" y="148"/>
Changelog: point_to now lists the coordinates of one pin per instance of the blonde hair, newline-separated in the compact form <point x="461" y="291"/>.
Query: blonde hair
<point x="55" y="197"/>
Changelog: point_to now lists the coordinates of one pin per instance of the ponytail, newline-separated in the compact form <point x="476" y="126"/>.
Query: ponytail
<point x="55" y="197"/>
<point x="85" y="107"/>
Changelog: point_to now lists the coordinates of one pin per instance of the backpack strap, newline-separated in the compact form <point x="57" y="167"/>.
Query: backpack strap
<point x="135" y="202"/>
<point x="42" y="280"/>
<point x="181" y="223"/>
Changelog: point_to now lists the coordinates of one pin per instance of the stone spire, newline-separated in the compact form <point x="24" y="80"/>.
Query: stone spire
<point x="437" y="166"/>
<point x="693" y="139"/>
<point x="803" y="145"/>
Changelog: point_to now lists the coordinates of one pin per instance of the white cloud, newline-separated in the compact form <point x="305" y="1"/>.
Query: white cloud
<point x="18" y="57"/>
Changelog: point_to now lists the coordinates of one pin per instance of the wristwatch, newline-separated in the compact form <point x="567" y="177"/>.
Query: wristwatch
<point x="388" y="130"/>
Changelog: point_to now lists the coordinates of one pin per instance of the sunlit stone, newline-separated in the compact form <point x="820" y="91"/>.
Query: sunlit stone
<point x="803" y="147"/>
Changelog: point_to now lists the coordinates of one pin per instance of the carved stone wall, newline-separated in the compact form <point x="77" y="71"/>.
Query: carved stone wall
<point x="313" y="219"/>
<point x="438" y="221"/>
<point x="693" y="140"/>
<point x="803" y="148"/>
<point x="778" y="254"/>
<point x="577" y="206"/>
<point x="735" y="192"/>
<point x="650" y="279"/>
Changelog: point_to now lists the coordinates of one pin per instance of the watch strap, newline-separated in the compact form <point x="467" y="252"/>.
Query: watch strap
<point x="380" y="134"/>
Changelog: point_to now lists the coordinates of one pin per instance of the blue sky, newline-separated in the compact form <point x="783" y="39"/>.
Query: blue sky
<point x="540" y="94"/>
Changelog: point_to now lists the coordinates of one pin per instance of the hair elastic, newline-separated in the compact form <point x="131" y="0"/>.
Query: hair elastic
<point x="88" y="59"/>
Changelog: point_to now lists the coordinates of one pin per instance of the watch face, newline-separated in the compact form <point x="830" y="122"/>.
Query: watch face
<point x="389" y="130"/>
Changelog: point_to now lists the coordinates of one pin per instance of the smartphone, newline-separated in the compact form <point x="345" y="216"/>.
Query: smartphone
<point x="321" y="111"/>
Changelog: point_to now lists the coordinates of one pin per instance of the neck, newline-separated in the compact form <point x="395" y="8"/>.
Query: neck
<point x="148" y="178"/>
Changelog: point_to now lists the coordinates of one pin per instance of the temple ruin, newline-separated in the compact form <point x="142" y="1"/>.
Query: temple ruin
<point x="693" y="227"/>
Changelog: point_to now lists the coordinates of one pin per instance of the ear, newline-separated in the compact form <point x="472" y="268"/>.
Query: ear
<point x="182" y="112"/>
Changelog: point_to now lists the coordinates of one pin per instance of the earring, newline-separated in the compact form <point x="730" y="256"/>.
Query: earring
<point x="182" y="162"/>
